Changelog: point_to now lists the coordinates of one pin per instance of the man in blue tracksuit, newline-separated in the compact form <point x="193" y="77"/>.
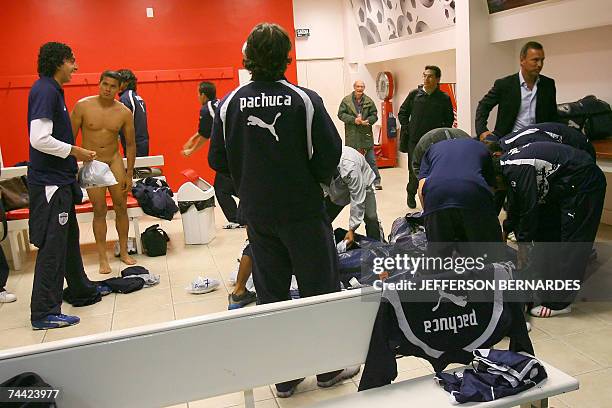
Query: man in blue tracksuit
<point x="137" y="106"/>
<point x="54" y="191"/>
<point x="278" y="143"/>
<point x="555" y="196"/>
<point x="224" y="186"/>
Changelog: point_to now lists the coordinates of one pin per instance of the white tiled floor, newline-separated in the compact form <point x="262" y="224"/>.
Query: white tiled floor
<point x="578" y="343"/>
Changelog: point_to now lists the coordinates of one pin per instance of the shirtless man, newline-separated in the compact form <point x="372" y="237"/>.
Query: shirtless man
<point x="101" y="117"/>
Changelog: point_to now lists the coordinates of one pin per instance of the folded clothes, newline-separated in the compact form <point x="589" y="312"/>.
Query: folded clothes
<point x="494" y="374"/>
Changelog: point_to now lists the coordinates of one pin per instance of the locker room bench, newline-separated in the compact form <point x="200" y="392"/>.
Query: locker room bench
<point x="179" y="361"/>
<point x="17" y="220"/>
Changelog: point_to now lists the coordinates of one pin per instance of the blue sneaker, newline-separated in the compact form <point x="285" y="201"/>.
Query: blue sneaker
<point x="103" y="289"/>
<point x="239" y="301"/>
<point x="55" y="322"/>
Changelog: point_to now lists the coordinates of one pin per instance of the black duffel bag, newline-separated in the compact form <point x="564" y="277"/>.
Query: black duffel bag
<point x="589" y="114"/>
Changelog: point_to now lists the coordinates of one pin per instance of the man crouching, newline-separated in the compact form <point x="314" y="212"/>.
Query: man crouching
<point x="101" y="117"/>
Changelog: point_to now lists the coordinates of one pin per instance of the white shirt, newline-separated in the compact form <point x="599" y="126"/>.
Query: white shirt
<point x="527" y="111"/>
<point x="355" y="180"/>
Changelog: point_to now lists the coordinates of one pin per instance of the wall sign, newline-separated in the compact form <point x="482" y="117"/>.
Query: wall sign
<point x="302" y="32"/>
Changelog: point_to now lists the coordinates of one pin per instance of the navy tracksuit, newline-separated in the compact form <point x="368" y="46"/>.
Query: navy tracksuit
<point x="278" y="143"/>
<point x="53" y="192"/>
<point x="547" y="132"/>
<point x="224" y="186"/>
<point x="137" y="106"/>
<point x="556" y="195"/>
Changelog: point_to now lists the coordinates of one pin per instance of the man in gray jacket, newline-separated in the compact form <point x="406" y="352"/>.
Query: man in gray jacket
<point x="353" y="183"/>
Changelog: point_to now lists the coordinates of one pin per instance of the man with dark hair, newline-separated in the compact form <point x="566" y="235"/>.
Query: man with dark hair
<point x="424" y="109"/>
<point x="136" y="105"/>
<point x="429" y="139"/>
<point x="523" y="99"/>
<point x="358" y="112"/>
<point x="53" y="192"/>
<point x="224" y="186"/>
<point x="278" y="143"/>
<point x="100" y="117"/>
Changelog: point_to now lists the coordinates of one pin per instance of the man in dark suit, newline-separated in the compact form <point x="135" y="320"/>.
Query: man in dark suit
<point x="523" y="98"/>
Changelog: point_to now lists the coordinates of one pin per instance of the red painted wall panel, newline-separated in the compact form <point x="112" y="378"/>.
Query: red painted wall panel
<point x="112" y="34"/>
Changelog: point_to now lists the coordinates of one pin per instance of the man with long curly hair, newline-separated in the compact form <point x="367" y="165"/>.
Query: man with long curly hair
<point x="54" y="192"/>
<point x="278" y="143"/>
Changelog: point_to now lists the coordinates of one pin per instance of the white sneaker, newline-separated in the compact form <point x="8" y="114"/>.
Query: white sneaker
<point x="544" y="312"/>
<point x="202" y="285"/>
<point x="7" y="297"/>
<point x="232" y="225"/>
<point x="512" y="237"/>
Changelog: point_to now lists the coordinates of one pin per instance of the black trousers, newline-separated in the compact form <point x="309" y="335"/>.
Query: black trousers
<point x="225" y="193"/>
<point x="578" y="217"/>
<point x="472" y="233"/>
<point x="4" y="270"/>
<point x="413" y="182"/>
<point x="372" y="225"/>
<point x="303" y="248"/>
<point x="55" y="231"/>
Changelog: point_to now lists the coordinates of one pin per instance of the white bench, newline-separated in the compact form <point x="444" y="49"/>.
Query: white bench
<point x="17" y="233"/>
<point x="180" y="361"/>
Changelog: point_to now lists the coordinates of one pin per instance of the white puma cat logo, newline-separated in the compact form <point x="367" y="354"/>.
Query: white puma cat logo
<point x="458" y="300"/>
<point x="255" y="121"/>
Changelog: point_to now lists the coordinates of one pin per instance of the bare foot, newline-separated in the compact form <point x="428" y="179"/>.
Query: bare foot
<point x="128" y="260"/>
<point x="105" y="268"/>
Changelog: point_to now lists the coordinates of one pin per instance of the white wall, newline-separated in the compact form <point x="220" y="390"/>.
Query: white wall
<point x="580" y="62"/>
<point x="324" y="19"/>
<point x="552" y="16"/>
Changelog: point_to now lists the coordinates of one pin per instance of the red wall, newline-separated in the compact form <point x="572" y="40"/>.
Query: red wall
<point x="186" y="42"/>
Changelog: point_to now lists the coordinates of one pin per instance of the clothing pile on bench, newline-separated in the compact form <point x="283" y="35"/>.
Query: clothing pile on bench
<point x="494" y="374"/>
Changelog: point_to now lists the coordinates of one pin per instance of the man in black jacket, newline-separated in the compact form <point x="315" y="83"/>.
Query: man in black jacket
<point x="425" y="108"/>
<point x="555" y="199"/>
<point x="278" y="143"/>
<point x="523" y="98"/>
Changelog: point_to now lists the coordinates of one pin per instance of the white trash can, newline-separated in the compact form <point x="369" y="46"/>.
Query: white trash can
<point x="197" y="205"/>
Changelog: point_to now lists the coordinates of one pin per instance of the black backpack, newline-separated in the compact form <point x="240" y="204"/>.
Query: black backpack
<point x="28" y="380"/>
<point x="155" y="240"/>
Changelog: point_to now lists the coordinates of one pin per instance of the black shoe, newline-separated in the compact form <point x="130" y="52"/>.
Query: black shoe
<point x="411" y="202"/>
<point x="286" y="389"/>
<point x="377" y="186"/>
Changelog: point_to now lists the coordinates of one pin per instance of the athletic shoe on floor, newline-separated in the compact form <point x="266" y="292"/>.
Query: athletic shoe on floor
<point x="285" y="390"/>
<point x="233" y="225"/>
<point x="343" y="375"/>
<point x="55" y="322"/>
<point x="543" y="311"/>
<point x="238" y="301"/>
<point x="202" y="285"/>
<point x="411" y="202"/>
<point x="104" y="289"/>
<point x="7" y="297"/>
